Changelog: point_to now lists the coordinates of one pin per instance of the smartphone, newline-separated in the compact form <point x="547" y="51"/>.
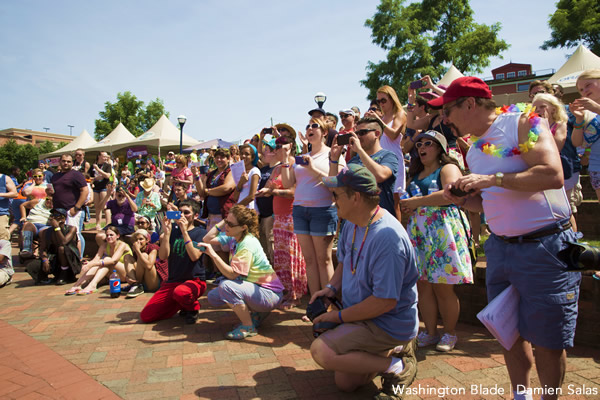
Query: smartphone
<point x="343" y="139"/>
<point x="174" y="214"/>
<point x="300" y="160"/>
<point x="417" y="84"/>
<point x="204" y="169"/>
<point x="459" y="192"/>
<point x="268" y="130"/>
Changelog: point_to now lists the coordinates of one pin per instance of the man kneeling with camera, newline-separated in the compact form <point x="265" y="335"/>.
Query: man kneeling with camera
<point x="377" y="275"/>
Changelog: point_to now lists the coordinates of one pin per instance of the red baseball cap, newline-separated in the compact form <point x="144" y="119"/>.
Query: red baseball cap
<point x="466" y="86"/>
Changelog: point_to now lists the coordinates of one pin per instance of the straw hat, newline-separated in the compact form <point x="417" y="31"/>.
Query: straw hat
<point x="147" y="184"/>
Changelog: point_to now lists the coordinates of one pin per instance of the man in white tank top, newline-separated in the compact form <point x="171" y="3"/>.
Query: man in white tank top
<point x="517" y="180"/>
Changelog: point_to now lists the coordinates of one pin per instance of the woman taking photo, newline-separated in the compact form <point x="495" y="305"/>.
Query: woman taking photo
<point x="112" y="254"/>
<point x="216" y="188"/>
<point x="181" y="173"/>
<point x="245" y="190"/>
<point x="438" y="232"/>
<point x="251" y="287"/>
<point x="315" y="216"/>
<point x="288" y="260"/>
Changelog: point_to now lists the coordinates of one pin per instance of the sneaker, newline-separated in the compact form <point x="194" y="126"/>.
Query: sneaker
<point x="135" y="291"/>
<point x="447" y="343"/>
<point x="191" y="317"/>
<point x="393" y="385"/>
<point x="25" y="254"/>
<point x="424" y="339"/>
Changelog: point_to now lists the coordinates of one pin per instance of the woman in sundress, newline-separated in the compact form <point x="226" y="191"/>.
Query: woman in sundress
<point x="438" y="231"/>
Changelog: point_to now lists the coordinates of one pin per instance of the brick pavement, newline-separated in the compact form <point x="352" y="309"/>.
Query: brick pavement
<point x="103" y="338"/>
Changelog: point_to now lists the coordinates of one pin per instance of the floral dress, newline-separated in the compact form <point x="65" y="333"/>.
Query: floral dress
<point x="440" y="240"/>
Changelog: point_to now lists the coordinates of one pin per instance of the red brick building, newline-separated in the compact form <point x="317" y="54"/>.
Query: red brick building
<point x="26" y="136"/>
<point x="510" y="82"/>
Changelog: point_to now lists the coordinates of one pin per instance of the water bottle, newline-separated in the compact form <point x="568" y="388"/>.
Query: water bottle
<point x="433" y="187"/>
<point x="404" y="195"/>
<point x="414" y="190"/>
<point x="115" y="284"/>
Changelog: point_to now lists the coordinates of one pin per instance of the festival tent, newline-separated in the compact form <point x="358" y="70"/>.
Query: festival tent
<point x="450" y="75"/>
<point x="82" y="141"/>
<point x="120" y="137"/>
<point x="209" y="144"/>
<point x="163" y="134"/>
<point x="582" y="59"/>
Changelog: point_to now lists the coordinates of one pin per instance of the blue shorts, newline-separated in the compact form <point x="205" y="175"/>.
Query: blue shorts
<point x="39" y="226"/>
<point x="315" y="221"/>
<point x="549" y="293"/>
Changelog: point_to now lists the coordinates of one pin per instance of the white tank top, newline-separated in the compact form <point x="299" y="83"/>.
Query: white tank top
<point x="395" y="147"/>
<point x="511" y="212"/>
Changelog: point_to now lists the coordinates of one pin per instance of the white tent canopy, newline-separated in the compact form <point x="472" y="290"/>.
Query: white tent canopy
<point x="163" y="134"/>
<point x="120" y="137"/>
<point x="582" y="59"/>
<point x="82" y="141"/>
<point x="450" y="75"/>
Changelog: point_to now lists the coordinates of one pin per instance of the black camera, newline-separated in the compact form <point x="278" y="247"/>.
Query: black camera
<point x="318" y="307"/>
<point x="580" y="257"/>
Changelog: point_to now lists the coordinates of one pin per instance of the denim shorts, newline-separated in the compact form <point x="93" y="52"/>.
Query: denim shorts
<point x="549" y="293"/>
<point x="315" y="221"/>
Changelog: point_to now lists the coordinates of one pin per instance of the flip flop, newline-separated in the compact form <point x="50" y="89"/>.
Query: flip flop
<point x="72" y="292"/>
<point x="86" y="292"/>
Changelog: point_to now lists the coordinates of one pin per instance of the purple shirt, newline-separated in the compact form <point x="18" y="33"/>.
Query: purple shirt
<point x="67" y="188"/>
<point x="121" y="214"/>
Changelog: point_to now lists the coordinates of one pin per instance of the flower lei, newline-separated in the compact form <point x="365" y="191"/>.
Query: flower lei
<point x="532" y="138"/>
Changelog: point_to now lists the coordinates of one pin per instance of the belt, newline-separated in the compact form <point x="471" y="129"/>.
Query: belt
<point x="534" y="236"/>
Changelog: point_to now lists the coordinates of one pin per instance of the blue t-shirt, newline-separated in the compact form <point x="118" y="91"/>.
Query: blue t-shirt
<point x="591" y="134"/>
<point x="386" y="269"/>
<point x="390" y="160"/>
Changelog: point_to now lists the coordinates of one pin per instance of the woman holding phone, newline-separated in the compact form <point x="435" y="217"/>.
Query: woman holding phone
<point x="315" y="216"/>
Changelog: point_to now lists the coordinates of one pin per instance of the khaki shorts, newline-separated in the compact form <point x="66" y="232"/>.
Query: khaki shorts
<point x="361" y="336"/>
<point x="4" y="227"/>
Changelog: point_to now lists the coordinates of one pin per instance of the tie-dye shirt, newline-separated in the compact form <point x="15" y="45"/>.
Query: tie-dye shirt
<point x="248" y="259"/>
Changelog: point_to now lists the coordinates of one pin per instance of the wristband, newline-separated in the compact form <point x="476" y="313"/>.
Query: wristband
<point x="102" y="261"/>
<point x="410" y="105"/>
<point x="218" y="229"/>
<point x="44" y="260"/>
<point x="188" y="242"/>
<point x="340" y="316"/>
<point x="57" y="229"/>
<point x="285" y="165"/>
<point x="333" y="162"/>
<point x="330" y="286"/>
<point x="579" y="126"/>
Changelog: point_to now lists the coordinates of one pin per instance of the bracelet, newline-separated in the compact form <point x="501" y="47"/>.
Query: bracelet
<point x="330" y="286"/>
<point x="57" y="229"/>
<point x="102" y="261"/>
<point x="44" y="260"/>
<point x="285" y="165"/>
<point x="578" y="126"/>
<point x="218" y="229"/>
<point x="340" y="316"/>
<point x="410" y="105"/>
<point x="188" y="242"/>
<point x="333" y="162"/>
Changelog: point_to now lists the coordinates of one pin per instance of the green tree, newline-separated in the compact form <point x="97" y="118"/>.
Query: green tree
<point x="423" y="36"/>
<point x="575" y="21"/>
<point x="131" y="112"/>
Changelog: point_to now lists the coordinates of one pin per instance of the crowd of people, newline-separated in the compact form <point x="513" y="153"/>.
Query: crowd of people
<point x="261" y="221"/>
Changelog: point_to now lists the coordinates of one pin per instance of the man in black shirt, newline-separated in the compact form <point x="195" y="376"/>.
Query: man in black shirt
<point x="186" y="281"/>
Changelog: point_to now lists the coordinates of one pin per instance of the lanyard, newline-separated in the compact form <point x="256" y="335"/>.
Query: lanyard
<point x="352" y="267"/>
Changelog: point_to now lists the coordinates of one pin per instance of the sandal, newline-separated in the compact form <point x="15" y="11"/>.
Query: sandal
<point x="242" y="332"/>
<point x="258" y="318"/>
<point x="86" y="292"/>
<point x="72" y="291"/>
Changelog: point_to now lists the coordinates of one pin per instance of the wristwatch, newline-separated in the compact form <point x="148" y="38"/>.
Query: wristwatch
<point x="499" y="178"/>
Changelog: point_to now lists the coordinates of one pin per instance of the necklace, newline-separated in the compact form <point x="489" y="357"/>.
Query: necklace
<point x="532" y="138"/>
<point x="352" y="267"/>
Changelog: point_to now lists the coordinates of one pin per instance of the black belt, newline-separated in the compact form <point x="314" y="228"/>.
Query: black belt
<point x="537" y="235"/>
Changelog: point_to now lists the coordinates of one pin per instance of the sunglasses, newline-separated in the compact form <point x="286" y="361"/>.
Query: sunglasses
<point x="229" y="224"/>
<point x="313" y="126"/>
<point x="342" y="116"/>
<point x="38" y="176"/>
<point x="426" y="143"/>
<point x="382" y="101"/>
<point x="363" y="132"/>
<point x="282" y="130"/>
<point x="373" y="109"/>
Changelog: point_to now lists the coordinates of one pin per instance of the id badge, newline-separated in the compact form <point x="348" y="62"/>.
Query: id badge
<point x="120" y="221"/>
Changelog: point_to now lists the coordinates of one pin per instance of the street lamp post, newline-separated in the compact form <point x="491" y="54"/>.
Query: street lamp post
<point x="320" y="99"/>
<point x="71" y="129"/>
<point x="181" y="119"/>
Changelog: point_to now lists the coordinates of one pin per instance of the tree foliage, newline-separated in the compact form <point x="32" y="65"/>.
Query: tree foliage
<point x="131" y="112"/>
<point x="575" y="21"/>
<point x="423" y="36"/>
<point x="24" y="156"/>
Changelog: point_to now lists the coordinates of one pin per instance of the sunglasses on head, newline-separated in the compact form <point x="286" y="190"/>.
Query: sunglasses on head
<point x="313" y="126"/>
<point x="363" y="132"/>
<point x="426" y="143"/>
<point x="383" y="100"/>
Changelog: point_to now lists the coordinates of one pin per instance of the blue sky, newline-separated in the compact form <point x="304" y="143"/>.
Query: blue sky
<point x="229" y="66"/>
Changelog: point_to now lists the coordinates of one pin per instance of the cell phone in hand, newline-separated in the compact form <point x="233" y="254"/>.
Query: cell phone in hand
<point x="459" y="192"/>
<point x="417" y="84"/>
<point x="174" y="214"/>
<point x="268" y="130"/>
<point x="300" y="160"/>
<point x="343" y="139"/>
